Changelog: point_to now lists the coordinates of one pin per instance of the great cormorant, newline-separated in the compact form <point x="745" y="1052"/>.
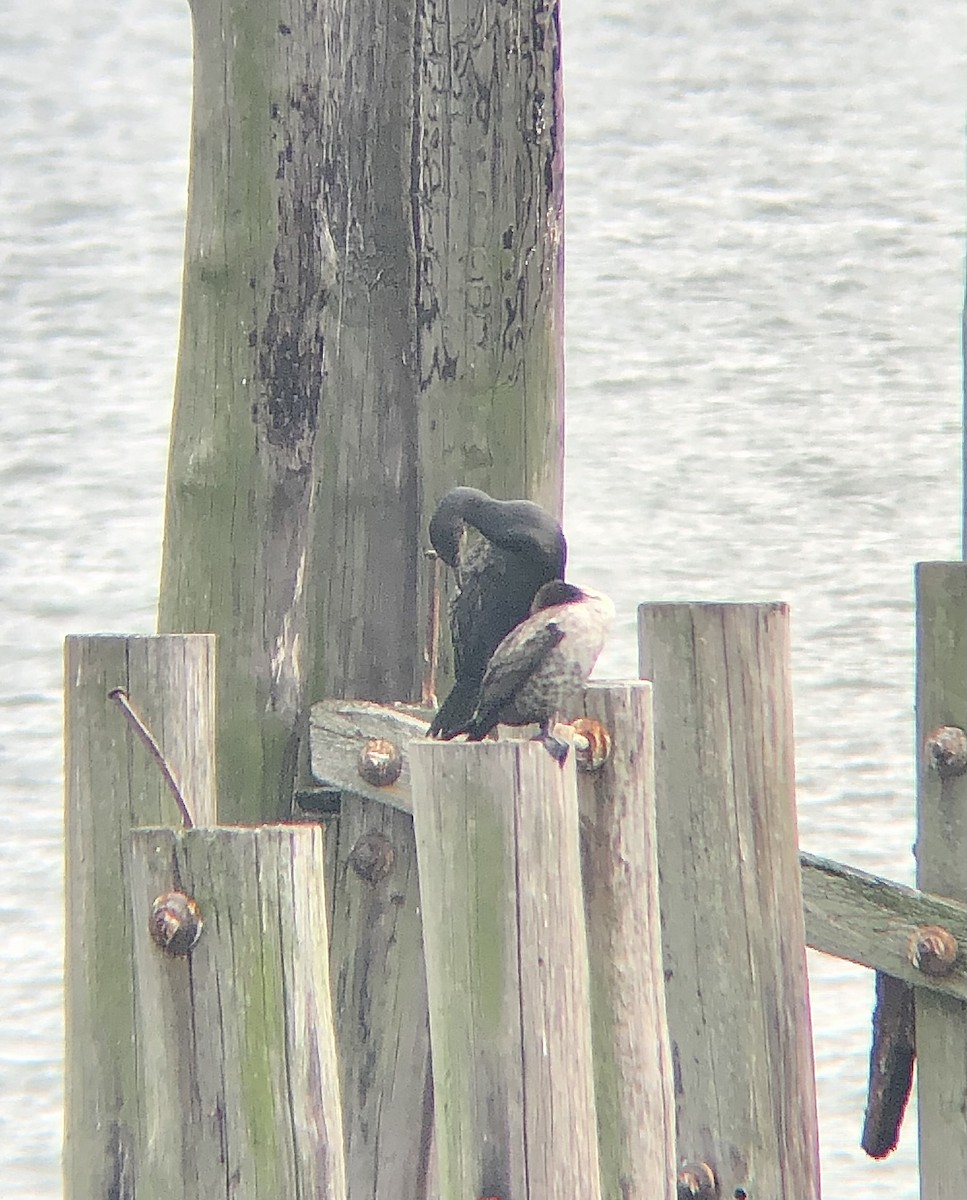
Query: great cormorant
<point x="498" y="574"/>
<point x="542" y="664"/>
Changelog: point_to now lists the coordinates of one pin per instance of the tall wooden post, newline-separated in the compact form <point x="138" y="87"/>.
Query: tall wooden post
<point x="634" y="1077"/>
<point x="371" y="315"/>
<point x="738" y="1007"/>
<point x="941" y="1021"/>
<point x="507" y="971"/>
<point x="112" y="785"/>
<point x="236" y="1051"/>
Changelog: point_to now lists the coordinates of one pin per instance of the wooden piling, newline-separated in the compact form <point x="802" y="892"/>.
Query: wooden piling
<point x="507" y="971"/>
<point x="372" y="314"/>
<point x="236" y="1048"/>
<point x="379" y="990"/>
<point x="112" y="784"/>
<point x="634" y="1090"/>
<point x="734" y="959"/>
<point x="941" y="1021"/>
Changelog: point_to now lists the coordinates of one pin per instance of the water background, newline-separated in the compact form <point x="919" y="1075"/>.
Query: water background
<point x="765" y="211"/>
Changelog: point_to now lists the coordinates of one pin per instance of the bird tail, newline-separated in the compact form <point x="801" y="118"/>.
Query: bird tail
<point x="455" y="713"/>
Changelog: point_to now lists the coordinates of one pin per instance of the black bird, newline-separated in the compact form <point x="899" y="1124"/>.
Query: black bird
<point x="498" y="574"/>
<point x="542" y="663"/>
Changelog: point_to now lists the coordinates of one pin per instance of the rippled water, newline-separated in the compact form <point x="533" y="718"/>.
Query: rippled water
<point x="765" y="246"/>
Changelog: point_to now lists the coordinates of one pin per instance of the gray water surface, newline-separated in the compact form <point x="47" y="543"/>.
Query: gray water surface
<point x="764" y="254"/>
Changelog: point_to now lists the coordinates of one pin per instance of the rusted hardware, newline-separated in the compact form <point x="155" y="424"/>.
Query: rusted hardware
<point x="933" y="950"/>
<point x="592" y="748"/>
<point x="380" y="763"/>
<point x="696" y="1181"/>
<point x="175" y="924"/>
<point x="372" y="857"/>
<point x="946" y="750"/>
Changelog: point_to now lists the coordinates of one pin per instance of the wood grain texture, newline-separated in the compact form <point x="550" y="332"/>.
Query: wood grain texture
<point x="236" y="1048"/>
<point x="443" y="188"/>
<point x="112" y="784"/>
<point x="371" y="313"/>
<point x="250" y="370"/>
<point x="379" y="991"/>
<point x="338" y="731"/>
<point x="734" y="958"/>
<point x="634" y="1085"/>
<point x="507" y="972"/>
<point x="941" y="1021"/>
<point x="870" y="921"/>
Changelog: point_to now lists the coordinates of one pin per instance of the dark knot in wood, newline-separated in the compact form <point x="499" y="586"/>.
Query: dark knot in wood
<point x="175" y="923"/>
<point x="696" y="1181"/>
<point x="380" y="763"/>
<point x="946" y="749"/>
<point x="372" y="857"/>
<point x="933" y="950"/>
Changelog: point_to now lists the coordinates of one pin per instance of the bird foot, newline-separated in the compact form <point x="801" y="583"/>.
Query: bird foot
<point x="556" y="747"/>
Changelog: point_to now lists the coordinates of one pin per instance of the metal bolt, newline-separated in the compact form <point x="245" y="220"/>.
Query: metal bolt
<point x="593" y="745"/>
<point x="380" y="763"/>
<point x="175" y="923"/>
<point x="946" y="750"/>
<point x="372" y="857"/>
<point x="933" y="950"/>
<point x="696" y="1181"/>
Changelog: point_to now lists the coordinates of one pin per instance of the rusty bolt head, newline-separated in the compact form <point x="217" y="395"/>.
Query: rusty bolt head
<point x="933" y="950"/>
<point x="372" y="857"/>
<point x="594" y="748"/>
<point x="380" y="763"/>
<point x="946" y="750"/>
<point x="696" y="1181"/>
<point x="175" y="923"/>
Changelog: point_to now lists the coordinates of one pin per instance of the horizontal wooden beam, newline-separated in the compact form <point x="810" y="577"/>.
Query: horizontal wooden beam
<point x="848" y="912"/>
<point x="338" y="733"/>
<point x="874" y="922"/>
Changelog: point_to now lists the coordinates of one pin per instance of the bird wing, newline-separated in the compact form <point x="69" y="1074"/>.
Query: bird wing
<point x="486" y="608"/>
<point x="515" y="662"/>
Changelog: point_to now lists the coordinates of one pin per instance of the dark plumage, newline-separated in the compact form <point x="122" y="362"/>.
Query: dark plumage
<point x="498" y="574"/>
<point x="543" y="662"/>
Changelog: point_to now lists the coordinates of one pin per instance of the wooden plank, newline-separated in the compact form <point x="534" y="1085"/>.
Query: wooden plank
<point x="507" y="971"/>
<point x="634" y="1085"/>
<point x="941" y="1021"/>
<point x="377" y="952"/>
<point x="236" y="1047"/>
<point x="257" y="276"/>
<point x="338" y="732"/>
<point x="734" y="956"/>
<point x="379" y="990"/>
<point x="112" y="784"/>
<point x="871" y="921"/>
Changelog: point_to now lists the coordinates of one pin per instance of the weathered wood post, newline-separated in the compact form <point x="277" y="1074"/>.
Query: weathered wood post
<point x="634" y="1085"/>
<point x="371" y="314"/>
<point x="941" y="719"/>
<point x="738" y="1008"/>
<point x="237" y="1065"/>
<point x="507" y="971"/>
<point x="112" y="785"/>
